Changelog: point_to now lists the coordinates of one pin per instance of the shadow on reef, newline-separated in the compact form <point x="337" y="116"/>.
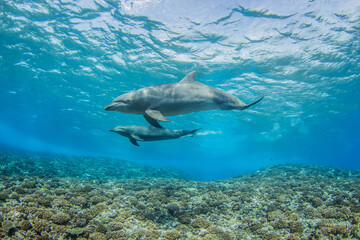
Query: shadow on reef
<point x="278" y="202"/>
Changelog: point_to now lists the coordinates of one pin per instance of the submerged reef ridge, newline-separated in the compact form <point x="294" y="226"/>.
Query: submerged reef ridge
<point x="122" y="200"/>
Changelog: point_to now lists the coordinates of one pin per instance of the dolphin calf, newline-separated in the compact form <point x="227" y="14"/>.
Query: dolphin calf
<point x="186" y="96"/>
<point x="150" y="133"/>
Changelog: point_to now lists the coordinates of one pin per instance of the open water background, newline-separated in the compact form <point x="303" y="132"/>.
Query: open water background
<point x="61" y="62"/>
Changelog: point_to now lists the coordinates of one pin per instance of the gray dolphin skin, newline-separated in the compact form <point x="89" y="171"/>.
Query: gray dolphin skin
<point x="186" y="96"/>
<point x="150" y="133"/>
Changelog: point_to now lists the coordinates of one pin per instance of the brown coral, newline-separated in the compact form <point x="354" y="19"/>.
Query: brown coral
<point x="200" y="223"/>
<point x="172" y="235"/>
<point x="296" y="227"/>
<point x="97" y="236"/>
<point x="60" y="218"/>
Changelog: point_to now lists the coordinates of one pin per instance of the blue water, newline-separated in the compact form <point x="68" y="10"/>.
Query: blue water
<point x="63" y="61"/>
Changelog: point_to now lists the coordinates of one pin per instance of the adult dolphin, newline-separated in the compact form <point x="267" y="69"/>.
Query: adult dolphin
<point x="186" y="96"/>
<point x="150" y="133"/>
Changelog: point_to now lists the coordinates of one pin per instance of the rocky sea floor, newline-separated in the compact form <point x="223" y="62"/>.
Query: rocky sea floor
<point x="57" y="197"/>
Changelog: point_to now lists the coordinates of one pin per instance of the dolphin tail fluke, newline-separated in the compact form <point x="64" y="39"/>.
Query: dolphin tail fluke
<point x="253" y="103"/>
<point x="194" y="131"/>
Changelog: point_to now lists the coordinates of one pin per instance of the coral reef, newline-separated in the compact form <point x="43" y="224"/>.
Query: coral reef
<point x="278" y="202"/>
<point x="46" y="165"/>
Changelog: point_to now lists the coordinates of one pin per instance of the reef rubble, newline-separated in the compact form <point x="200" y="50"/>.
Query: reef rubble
<point x="52" y="201"/>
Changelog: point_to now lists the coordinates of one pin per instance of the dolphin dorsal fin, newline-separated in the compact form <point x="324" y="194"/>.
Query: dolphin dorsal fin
<point x="189" y="78"/>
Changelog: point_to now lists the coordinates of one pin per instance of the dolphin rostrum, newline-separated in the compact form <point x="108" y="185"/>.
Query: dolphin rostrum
<point x="150" y="133"/>
<point x="188" y="95"/>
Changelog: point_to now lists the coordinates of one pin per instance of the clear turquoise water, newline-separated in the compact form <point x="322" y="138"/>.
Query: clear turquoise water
<point x="63" y="61"/>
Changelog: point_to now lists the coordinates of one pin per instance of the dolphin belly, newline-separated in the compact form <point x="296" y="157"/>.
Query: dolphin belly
<point x="181" y="106"/>
<point x="158" y="137"/>
<point x="150" y="133"/>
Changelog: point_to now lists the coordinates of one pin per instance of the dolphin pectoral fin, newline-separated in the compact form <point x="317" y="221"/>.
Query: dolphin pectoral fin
<point x="133" y="141"/>
<point x="152" y="121"/>
<point x="136" y="137"/>
<point x="253" y="103"/>
<point x="157" y="115"/>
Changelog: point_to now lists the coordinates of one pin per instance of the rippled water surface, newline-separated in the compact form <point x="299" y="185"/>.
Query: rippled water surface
<point x="63" y="61"/>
